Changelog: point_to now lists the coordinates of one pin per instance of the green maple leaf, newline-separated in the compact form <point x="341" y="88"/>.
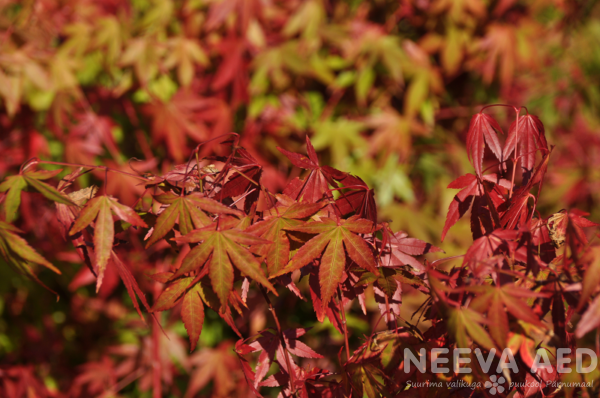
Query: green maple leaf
<point x="273" y="228"/>
<point x="17" y="253"/>
<point x="333" y="237"/>
<point x="32" y="179"/>
<point x="463" y="322"/>
<point x="187" y="211"/>
<point x="101" y="209"/>
<point x="496" y="301"/>
<point x="223" y="245"/>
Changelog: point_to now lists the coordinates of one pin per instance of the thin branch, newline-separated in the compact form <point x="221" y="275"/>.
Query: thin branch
<point x="38" y="161"/>
<point x="343" y="312"/>
<point x="288" y="362"/>
<point x="512" y="181"/>
<point x="156" y="368"/>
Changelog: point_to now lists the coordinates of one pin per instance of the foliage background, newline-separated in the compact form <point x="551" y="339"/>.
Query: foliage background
<point x="384" y="89"/>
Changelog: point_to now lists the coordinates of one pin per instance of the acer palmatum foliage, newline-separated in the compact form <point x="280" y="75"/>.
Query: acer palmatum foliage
<point x="522" y="284"/>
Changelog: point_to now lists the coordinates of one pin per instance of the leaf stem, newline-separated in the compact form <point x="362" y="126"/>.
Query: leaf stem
<point x="288" y="362"/>
<point x="38" y="161"/>
<point x="512" y="181"/>
<point x="388" y="314"/>
<point x="344" y="325"/>
<point x="105" y="181"/>
<point x="156" y="370"/>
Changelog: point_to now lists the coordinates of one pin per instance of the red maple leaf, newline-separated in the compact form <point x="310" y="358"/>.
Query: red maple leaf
<point x="187" y="115"/>
<point x="481" y="218"/>
<point x="361" y="200"/>
<point x="531" y="138"/>
<point x="482" y="130"/>
<point x="316" y="185"/>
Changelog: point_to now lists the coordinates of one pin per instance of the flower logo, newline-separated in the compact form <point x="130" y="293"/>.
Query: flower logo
<point x="494" y="384"/>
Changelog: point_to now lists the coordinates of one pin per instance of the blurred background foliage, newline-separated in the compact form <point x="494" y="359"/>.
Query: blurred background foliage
<point x="385" y="89"/>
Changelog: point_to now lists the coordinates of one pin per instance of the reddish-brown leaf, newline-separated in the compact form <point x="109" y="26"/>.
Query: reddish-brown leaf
<point x="100" y="209"/>
<point x="333" y="237"/>
<point x="528" y="138"/>
<point x="316" y="184"/>
<point x="224" y="245"/>
<point x="483" y="129"/>
<point x="172" y="293"/>
<point x="470" y="188"/>
<point x="192" y="314"/>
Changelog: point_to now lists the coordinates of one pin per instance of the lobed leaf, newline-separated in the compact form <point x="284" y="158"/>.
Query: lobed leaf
<point x="104" y="234"/>
<point x="192" y="314"/>
<point x="332" y="268"/>
<point x="48" y="191"/>
<point x="169" y="297"/>
<point x="482" y="129"/>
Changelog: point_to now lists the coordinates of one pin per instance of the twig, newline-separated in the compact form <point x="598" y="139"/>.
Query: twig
<point x="156" y="370"/>
<point x="344" y="324"/>
<point x="512" y="181"/>
<point x="38" y="161"/>
<point x="283" y="344"/>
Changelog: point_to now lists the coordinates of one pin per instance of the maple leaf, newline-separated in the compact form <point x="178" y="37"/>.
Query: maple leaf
<point x="398" y="249"/>
<point x="223" y="246"/>
<point x="499" y="52"/>
<point x="388" y="289"/>
<point x="152" y="358"/>
<point x="393" y="132"/>
<point x="219" y="365"/>
<point x="485" y="247"/>
<point x="463" y="322"/>
<point x="192" y="289"/>
<point x="333" y="236"/>
<point x="184" y="53"/>
<point x="496" y="301"/>
<point x="307" y="382"/>
<point x="388" y="294"/>
<point x="331" y="310"/>
<point x="87" y="137"/>
<point x="192" y="314"/>
<point x="273" y="227"/>
<point x="244" y="10"/>
<point x="192" y="309"/>
<point x="186" y="114"/>
<point x="270" y="344"/>
<point x="172" y="292"/>
<point x="101" y="209"/>
<point x="33" y="179"/>
<point x="482" y="129"/>
<point x="531" y="138"/>
<point x="95" y="377"/>
<point x="471" y="192"/>
<point x="515" y="211"/>
<point x="187" y="211"/>
<point x="17" y="252"/>
<point x="246" y="174"/>
<point x="130" y="283"/>
<point x="316" y="184"/>
<point x="233" y="68"/>
<point x="361" y="200"/>
<point x="540" y="238"/>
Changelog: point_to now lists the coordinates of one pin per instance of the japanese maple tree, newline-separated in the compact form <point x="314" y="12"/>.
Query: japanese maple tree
<point x="235" y="236"/>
